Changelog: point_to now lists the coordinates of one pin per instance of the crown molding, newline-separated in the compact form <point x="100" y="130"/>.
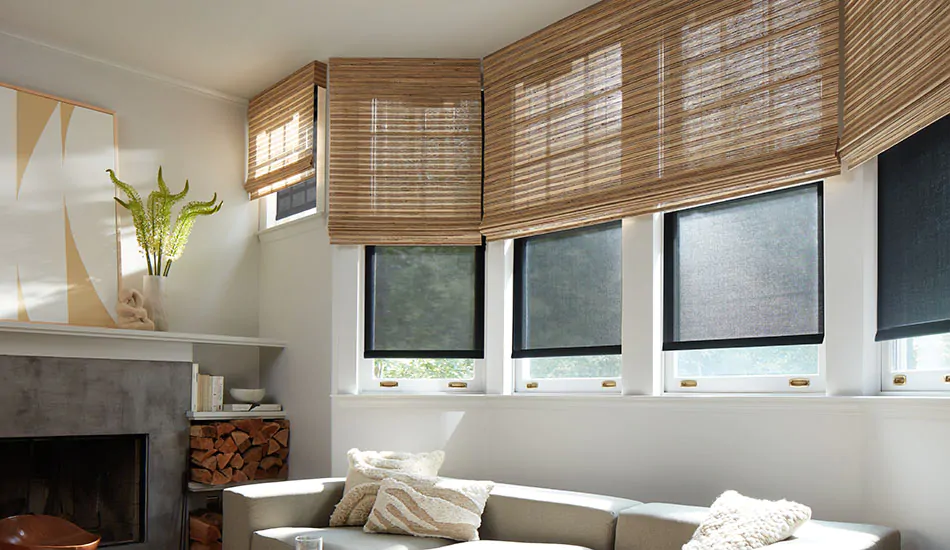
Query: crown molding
<point x="191" y="87"/>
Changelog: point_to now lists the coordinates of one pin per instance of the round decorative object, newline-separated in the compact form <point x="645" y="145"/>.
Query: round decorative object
<point x="248" y="395"/>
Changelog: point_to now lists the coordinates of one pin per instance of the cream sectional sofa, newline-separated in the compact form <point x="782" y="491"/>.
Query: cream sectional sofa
<point x="269" y="516"/>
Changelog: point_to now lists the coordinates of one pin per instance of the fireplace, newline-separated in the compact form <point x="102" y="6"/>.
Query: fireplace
<point x="96" y="482"/>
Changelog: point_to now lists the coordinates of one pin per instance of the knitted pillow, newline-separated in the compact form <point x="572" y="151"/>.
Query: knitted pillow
<point x="736" y="522"/>
<point x="367" y="469"/>
<point x="426" y="507"/>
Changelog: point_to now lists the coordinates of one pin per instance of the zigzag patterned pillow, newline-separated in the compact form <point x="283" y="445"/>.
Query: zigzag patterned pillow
<point x="443" y="508"/>
<point x="367" y="468"/>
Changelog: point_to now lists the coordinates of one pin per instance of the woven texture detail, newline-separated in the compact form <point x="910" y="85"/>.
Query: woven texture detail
<point x="367" y="469"/>
<point x="630" y="108"/>
<point x="405" y="151"/>
<point x="736" y="522"/>
<point x="897" y="77"/>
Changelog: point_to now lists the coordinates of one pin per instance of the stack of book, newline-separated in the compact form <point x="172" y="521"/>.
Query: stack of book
<point x="207" y="392"/>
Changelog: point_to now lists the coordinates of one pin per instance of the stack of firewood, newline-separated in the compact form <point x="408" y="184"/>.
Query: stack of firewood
<point x="204" y="530"/>
<point x="238" y="451"/>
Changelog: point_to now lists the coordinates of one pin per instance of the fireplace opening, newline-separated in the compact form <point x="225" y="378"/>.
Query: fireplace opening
<point x="96" y="482"/>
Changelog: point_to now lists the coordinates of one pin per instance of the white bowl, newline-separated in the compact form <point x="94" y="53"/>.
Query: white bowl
<point x="248" y="395"/>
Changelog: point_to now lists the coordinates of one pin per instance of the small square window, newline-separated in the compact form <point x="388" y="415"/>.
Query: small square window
<point x="567" y="308"/>
<point x="424" y="302"/>
<point x="743" y="294"/>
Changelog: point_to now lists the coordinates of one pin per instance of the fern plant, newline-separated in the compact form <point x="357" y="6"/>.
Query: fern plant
<point x="160" y="241"/>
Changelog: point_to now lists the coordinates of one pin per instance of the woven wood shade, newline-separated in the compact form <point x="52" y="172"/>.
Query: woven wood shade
<point x="627" y="108"/>
<point x="280" y="122"/>
<point x="897" y="72"/>
<point x="405" y="151"/>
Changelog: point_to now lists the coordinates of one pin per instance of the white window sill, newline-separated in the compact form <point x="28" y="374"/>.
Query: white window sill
<point x="886" y="404"/>
<point x="289" y="229"/>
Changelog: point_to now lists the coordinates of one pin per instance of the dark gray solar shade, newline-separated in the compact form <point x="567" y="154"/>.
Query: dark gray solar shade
<point x="745" y="272"/>
<point x="913" y="287"/>
<point x="424" y="298"/>
<point x="570" y="289"/>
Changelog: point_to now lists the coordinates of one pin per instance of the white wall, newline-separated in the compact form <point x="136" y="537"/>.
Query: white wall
<point x="877" y="460"/>
<point x="213" y="288"/>
<point x="295" y="295"/>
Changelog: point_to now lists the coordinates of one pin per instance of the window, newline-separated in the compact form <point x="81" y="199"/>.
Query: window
<point x="424" y="318"/>
<point x="743" y="294"/>
<point x="567" y="310"/>
<point x="913" y="317"/>
<point x="302" y="199"/>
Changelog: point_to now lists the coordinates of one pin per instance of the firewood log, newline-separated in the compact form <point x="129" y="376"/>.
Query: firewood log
<point x="203" y="443"/>
<point x="203" y="530"/>
<point x="201" y="475"/>
<point x="282" y="437"/>
<point x="238" y="461"/>
<point x="224" y="460"/>
<point x="254" y="454"/>
<point x="224" y="428"/>
<point x="272" y="447"/>
<point x="229" y="446"/>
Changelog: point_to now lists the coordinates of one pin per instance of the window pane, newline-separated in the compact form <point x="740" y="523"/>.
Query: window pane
<point x="424" y="299"/>
<point x="585" y="366"/>
<point x="572" y="289"/>
<point x="296" y="199"/>
<point x="924" y="353"/>
<point x="459" y="369"/>
<point x="776" y="360"/>
<point x="746" y="269"/>
<point x="913" y="288"/>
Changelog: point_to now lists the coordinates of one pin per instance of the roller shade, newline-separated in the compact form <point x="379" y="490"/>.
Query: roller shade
<point x="897" y="72"/>
<point x="629" y="108"/>
<point x="405" y="151"/>
<point x="913" y="282"/>
<point x="280" y="126"/>
<point x="745" y="272"/>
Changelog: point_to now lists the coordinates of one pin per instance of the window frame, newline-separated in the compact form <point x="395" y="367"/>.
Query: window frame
<point x="891" y="352"/>
<point x="367" y="381"/>
<point x="772" y="383"/>
<point x="522" y="356"/>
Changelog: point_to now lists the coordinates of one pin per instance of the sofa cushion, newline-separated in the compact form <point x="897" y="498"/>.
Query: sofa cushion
<point x="529" y="514"/>
<point x="658" y="526"/>
<point x="506" y="545"/>
<point x="342" y="538"/>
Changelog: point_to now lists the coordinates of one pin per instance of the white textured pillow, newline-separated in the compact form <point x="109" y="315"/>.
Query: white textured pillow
<point x="736" y="522"/>
<point x="367" y="469"/>
<point x="444" y="508"/>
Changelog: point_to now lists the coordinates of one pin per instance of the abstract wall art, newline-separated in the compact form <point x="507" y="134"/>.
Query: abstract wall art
<point x="58" y="250"/>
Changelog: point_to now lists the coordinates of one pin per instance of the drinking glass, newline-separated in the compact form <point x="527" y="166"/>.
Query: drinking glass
<point x="309" y="542"/>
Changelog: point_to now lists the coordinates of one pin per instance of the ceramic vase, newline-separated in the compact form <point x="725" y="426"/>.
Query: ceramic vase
<point x="153" y="288"/>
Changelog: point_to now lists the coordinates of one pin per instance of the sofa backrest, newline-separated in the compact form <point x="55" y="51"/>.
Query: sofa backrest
<point x="658" y="526"/>
<point x="529" y="514"/>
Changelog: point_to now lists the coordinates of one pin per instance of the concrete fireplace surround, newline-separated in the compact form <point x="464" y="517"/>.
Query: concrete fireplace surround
<point x="61" y="396"/>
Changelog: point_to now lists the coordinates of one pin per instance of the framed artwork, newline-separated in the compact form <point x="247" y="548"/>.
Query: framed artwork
<point x="58" y="239"/>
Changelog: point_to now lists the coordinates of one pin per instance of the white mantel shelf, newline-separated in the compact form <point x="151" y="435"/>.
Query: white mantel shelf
<point x="150" y="336"/>
<point x="50" y="340"/>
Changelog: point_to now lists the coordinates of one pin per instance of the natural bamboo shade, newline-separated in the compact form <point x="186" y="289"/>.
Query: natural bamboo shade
<point x="280" y="123"/>
<point x="405" y="151"/>
<point x="630" y="107"/>
<point x="897" y="72"/>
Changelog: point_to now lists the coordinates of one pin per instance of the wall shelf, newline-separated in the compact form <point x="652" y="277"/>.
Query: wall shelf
<point x="231" y="415"/>
<point x="202" y="488"/>
<point x="13" y="327"/>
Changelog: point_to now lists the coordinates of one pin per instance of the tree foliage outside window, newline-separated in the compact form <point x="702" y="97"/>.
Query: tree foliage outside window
<point x="587" y="366"/>
<point x="761" y="361"/>
<point x="420" y="369"/>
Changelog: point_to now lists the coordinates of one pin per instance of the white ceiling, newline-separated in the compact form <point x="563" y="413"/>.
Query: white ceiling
<point x="240" y="47"/>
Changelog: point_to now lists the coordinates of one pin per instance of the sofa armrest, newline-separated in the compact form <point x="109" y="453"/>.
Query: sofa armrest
<point x="303" y="503"/>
